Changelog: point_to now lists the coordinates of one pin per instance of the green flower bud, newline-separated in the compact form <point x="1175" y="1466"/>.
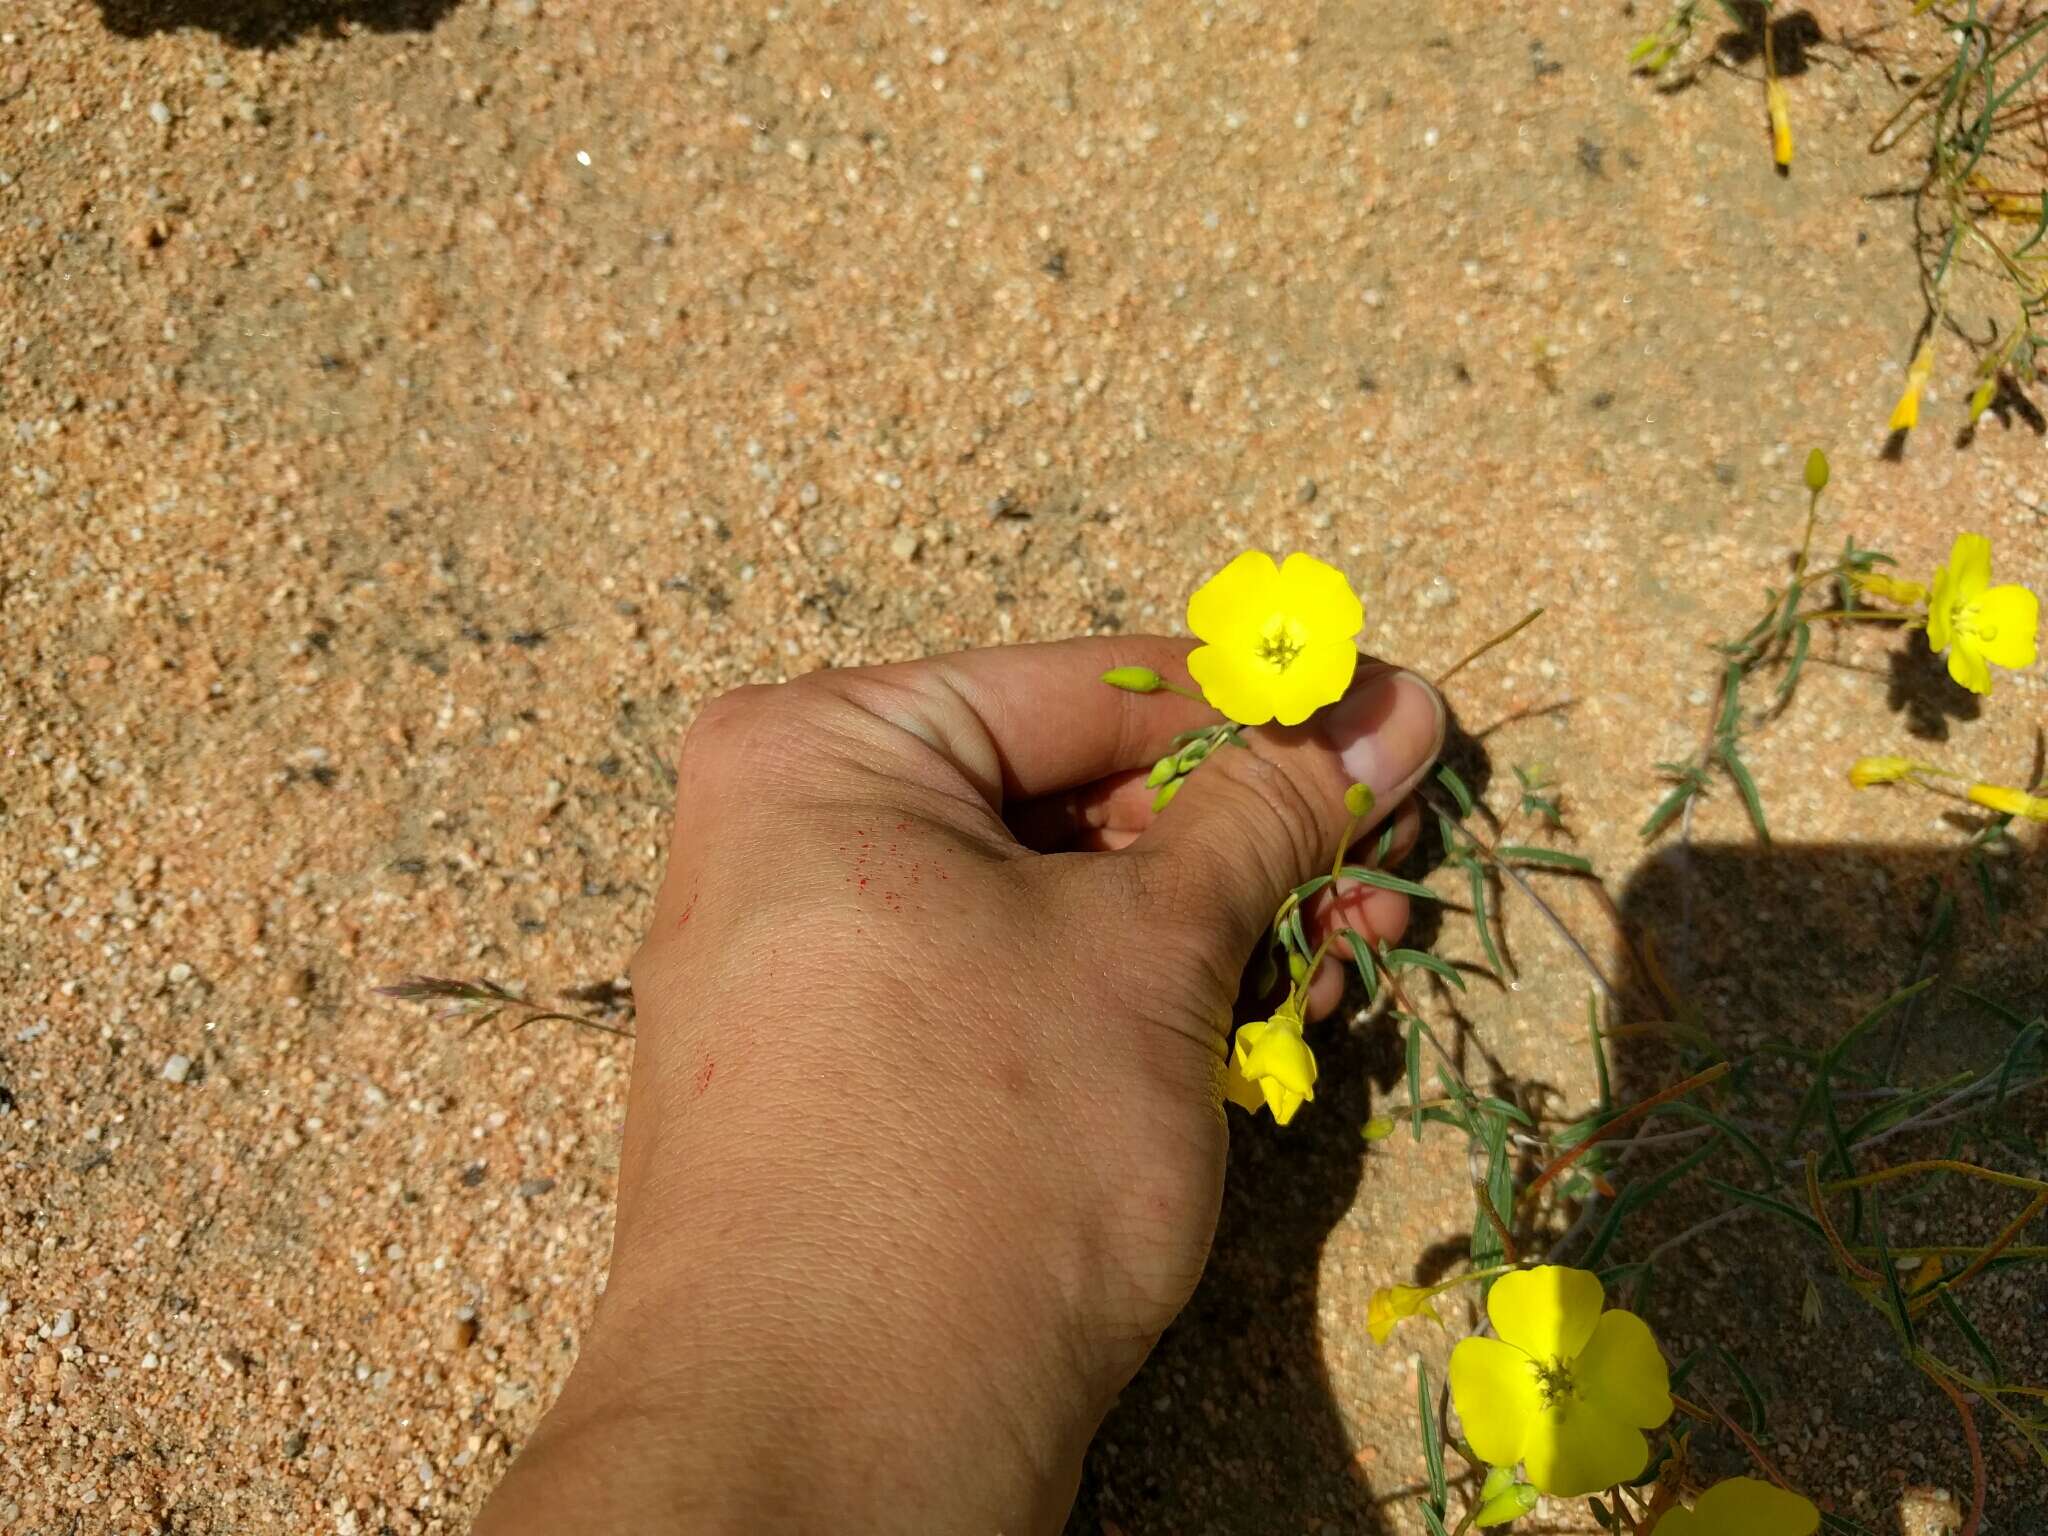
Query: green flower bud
<point x="1358" y="801"/>
<point x="1164" y="797"/>
<point x="1816" y="471"/>
<point x="1194" y="753"/>
<point x="1297" y="966"/>
<point x="1980" y="400"/>
<point x="1168" y="767"/>
<point x="1379" y="1128"/>
<point x="1502" y="1499"/>
<point x="1134" y="679"/>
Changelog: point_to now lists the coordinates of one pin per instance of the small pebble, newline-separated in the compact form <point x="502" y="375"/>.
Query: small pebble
<point x="63" y="1323"/>
<point x="177" y="1068"/>
<point x="160" y="114"/>
<point x="905" y="545"/>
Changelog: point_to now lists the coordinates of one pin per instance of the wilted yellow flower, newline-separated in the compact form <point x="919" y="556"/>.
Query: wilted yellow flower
<point x="1889" y="589"/>
<point x="2010" y="802"/>
<point x="1866" y="771"/>
<point x="1906" y="414"/>
<point x="1742" y="1506"/>
<point x="1567" y="1389"/>
<point x="1781" y="123"/>
<point x="1271" y="1064"/>
<point x="1277" y="641"/>
<point x="1392" y="1305"/>
<point x="1980" y="626"/>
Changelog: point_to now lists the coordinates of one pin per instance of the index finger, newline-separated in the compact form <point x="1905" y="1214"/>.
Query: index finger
<point x="1038" y="719"/>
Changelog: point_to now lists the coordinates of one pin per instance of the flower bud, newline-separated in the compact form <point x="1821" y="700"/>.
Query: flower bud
<point x="1164" y="797"/>
<point x="1502" y="1499"/>
<point x="1816" y="471"/>
<point x="2009" y="802"/>
<point x="1297" y="967"/>
<point x="1866" y="771"/>
<point x="1195" y="753"/>
<point x="1379" y="1128"/>
<point x="1168" y="767"/>
<point x="1980" y="399"/>
<point x="1358" y="801"/>
<point x="1134" y="679"/>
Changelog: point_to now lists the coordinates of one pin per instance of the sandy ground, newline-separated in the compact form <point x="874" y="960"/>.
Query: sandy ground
<point x="412" y="414"/>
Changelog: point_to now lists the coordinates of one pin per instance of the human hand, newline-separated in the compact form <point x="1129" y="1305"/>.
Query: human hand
<point x="925" y="1138"/>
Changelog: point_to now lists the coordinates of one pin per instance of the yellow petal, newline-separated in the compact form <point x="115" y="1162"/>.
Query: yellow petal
<point x="1320" y="597"/>
<point x="1941" y="607"/>
<point x="1235" y="684"/>
<point x="1239" y="1089"/>
<point x="1231" y="605"/>
<point x="1494" y="1387"/>
<point x="2007" y="622"/>
<point x="1781" y="123"/>
<point x="1318" y="676"/>
<point x="1578" y="1447"/>
<point x="1548" y="1312"/>
<point x="1744" y="1506"/>
<point x="1969" y="566"/>
<point x="1906" y="414"/>
<point x="1622" y="1370"/>
<point x="1969" y="668"/>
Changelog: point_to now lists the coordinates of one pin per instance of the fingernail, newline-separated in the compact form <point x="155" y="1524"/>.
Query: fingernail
<point x="1386" y="730"/>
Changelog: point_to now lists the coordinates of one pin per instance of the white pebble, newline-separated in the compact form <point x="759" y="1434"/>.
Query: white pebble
<point x="177" y="1068"/>
<point x="63" y="1323"/>
<point x="160" y="114"/>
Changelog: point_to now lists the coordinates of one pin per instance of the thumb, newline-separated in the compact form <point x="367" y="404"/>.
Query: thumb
<point x="1251" y="826"/>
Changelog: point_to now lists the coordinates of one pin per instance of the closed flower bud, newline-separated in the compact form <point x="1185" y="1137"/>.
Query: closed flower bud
<point x="1816" y="471"/>
<point x="1164" y="797"/>
<point x="1134" y="679"/>
<point x="1358" y="800"/>
<point x="1168" y="767"/>
<point x="2009" y="802"/>
<point x="1502" y="1499"/>
<point x="1866" y="771"/>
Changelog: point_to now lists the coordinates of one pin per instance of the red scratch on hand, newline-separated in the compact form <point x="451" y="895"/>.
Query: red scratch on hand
<point x="687" y="911"/>
<point x="704" y="1075"/>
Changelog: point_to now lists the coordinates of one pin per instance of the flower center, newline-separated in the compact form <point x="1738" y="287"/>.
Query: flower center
<point x="1553" y="1380"/>
<point x="1282" y="641"/>
<point x="1970" y="623"/>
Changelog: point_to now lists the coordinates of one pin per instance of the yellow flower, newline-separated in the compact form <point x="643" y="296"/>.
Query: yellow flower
<point x="1866" y="771"/>
<point x="1271" y="1065"/>
<point x="1980" y="626"/>
<point x="1276" y="640"/>
<point x="1889" y="589"/>
<point x="2009" y="802"/>
<point x="1742" y="1506"/>
<point x="1567" y="1389"/>
<point x="1392" y="1305"/>
<point x="1906" y="414"/>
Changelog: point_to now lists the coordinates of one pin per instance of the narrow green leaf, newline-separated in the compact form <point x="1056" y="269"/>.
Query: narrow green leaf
<point x="1776" y="1207"/>
<point x="1447" y="776"/>
<point x="2020" y="1042"/>
<point x="1551" y="856"/>
<point x="1408" y="959"/>
<point x="1802" y="638"/>
<point x="1731" y="696"/>
<point x="1476" y="877"/>
<point x="1432" y="1441"/>
<point x="1385" y="845"/>
<point x="1386" y="882"/>
<point x="1739" y="772"/>
<point x="1987" y="1356"/>
<point x="1902" y="1313"/>
<point x="1641" y="1193"/>
<point x="1308" y="888"/>
<point x="1599" y="1050"/>
<point x="1668" y="808"/>
<point x="1415" y="1075"/>
<point x="1685" y="1109"/>
<point x="1368" y="973"/>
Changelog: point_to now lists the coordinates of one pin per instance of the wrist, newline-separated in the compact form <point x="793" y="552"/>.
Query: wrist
<point x="662" y="1428"/>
